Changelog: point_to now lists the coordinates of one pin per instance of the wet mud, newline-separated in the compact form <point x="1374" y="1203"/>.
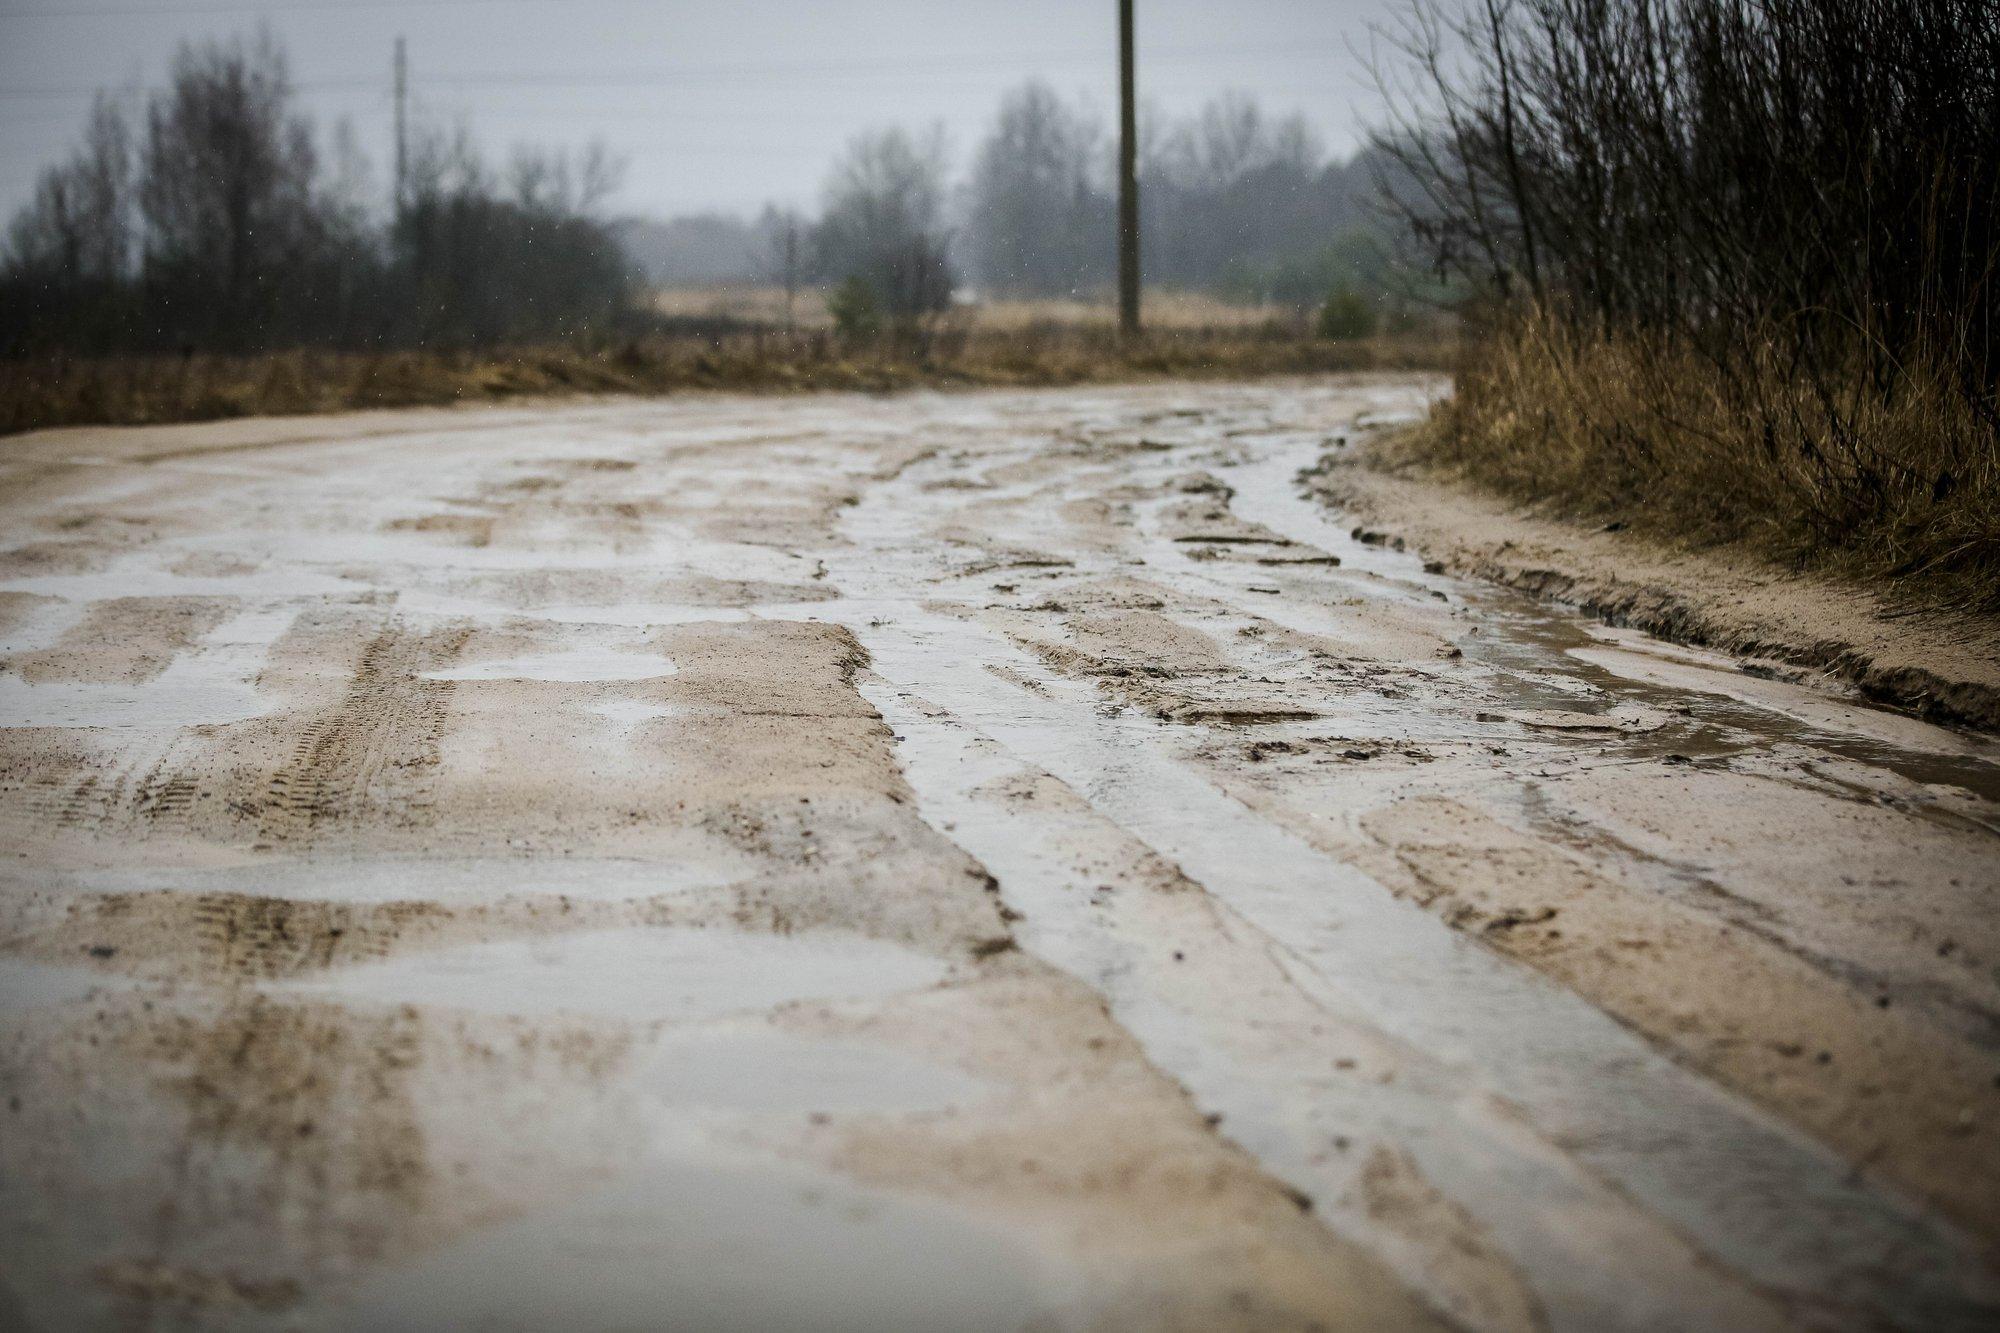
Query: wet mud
<point x="1008" y="860"/>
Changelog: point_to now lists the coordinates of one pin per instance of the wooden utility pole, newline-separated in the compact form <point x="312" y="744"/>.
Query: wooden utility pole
<point x="402" y="127"/>
<point x="1128" y="178"/>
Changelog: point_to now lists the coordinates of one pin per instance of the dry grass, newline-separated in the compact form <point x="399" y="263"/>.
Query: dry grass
<point x="1164" y="310"/>
<point x="1901" y="491"/>
<point x="747" y="303"/>
<point x="135" y="390"/>
<point x="1169" y="311"/>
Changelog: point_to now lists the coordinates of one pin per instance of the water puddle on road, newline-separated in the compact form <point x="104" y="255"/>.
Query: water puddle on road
<point x="26" y="984"/>
<point x="675" y="975"/>
<point x="1537" y="1112"/>
<point x="1776" y="1206"/>
<point x="1544" y="657"/>
<point x="1726" y="709"/>
<point x="679" y="864"/>
<point x="755" y="1069"/>
<point x="689" y="1238"/>
<point x="210" y="685"/>
<point x="137" y="578"/>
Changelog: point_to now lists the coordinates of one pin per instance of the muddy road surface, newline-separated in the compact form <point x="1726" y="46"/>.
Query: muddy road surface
<point x="1000" y="860"/>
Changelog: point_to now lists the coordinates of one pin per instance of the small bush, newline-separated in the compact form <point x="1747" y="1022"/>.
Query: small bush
<point x="856" y="313"/>
<point x="1346" y="315"/>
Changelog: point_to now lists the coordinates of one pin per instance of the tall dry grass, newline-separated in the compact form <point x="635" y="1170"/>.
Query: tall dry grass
<point x="1166" y="310"/>
<point x="1818" y="466"/>
<point x="137" y="390"/>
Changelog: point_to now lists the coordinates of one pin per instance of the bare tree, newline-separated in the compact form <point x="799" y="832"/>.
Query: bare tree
<point x="1233" y="188"/>
<point x="78" y="228"/>
<point x="783" y="235"/>
<point x="1805" y="194"/>
<point x="226" y="184"/>
<point x="1041" y="212"/>
<point x="546" y="180"/>
<point x="229" y="232"/>
<point x="485" y="265"/>
<point x="883" y="223"/>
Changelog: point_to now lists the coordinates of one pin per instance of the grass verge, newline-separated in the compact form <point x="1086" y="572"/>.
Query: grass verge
<point x="139" y="390"/>
<point x="1814" y="469"/>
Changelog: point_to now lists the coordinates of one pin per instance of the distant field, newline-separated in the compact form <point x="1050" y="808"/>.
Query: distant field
<point x="1164" y="310"/>
<point x="70" y="391"/>
<point x="721" y="337"/>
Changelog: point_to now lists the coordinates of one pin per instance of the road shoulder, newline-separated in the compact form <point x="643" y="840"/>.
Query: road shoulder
<point x="1940" y="666"/>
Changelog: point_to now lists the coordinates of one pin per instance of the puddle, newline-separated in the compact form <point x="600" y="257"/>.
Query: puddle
<point x="624" y="615"/>
<point x="159" y="705"/>
<point x="574" y="666"/>
<point x="1725" y="710"/>
<point x="755" y="1069"/>
<point x="1546" y="658"/>
<point x="1814" y="708"/>
<point x="392" y="554"/>
<point x="134" y="579"/>
<point x="1778" y="1207"/>
<point x="695" y="1239"/>
<point x="640" y="974"/>
<point x="686" y="864"/>
<point x="206" y="686"/>
<point x="1605" y="1120"/>
<point x="633" y="615"/>
<point x="26" y="985"/>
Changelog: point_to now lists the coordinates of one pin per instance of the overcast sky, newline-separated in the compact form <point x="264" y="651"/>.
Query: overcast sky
<point x="715" y="104"/>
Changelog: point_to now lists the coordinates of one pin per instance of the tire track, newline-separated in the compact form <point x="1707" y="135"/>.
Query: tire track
<point x="374" y="755"/>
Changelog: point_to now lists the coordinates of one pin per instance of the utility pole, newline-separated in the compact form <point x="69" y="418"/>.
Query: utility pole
<point x="1128" y="178"/>
<point x="402" y="127"/>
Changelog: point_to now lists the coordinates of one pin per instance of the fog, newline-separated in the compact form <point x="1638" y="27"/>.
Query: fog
<point x="714" y="104"/>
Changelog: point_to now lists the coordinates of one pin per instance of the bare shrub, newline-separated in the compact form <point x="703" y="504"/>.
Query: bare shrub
<point x="1041" y="210"/>
<point x="883" y="225"/>
<point x="219" y="226"/>
<point x="1764" y="232"/>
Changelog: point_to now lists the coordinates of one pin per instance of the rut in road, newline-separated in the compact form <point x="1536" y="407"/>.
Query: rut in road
<point x="987" y="858"/>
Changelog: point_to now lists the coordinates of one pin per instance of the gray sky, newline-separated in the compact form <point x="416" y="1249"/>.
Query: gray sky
<point x="714" y="103"/>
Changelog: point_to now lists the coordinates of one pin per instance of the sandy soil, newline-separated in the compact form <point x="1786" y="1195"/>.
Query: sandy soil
<point x="1002" y="860"/>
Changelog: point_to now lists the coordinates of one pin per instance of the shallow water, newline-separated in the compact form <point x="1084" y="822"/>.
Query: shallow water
<point x="1781" y="1209"/>
<point x="1162" y="734"/>
<point x="660" y="973"/>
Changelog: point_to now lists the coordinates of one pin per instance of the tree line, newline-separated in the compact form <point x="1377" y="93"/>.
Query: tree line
<point x="1233" y="200"/>
<point x="1732" y="267"/>
<point x="1812" y="185"/>
<point x="218" y="219"/>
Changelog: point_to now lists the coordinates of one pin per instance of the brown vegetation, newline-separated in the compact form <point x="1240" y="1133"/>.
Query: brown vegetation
<point x="1176" y="310"/>
<point x="1732" y="307"/>
<point x="37" y="393"/>
<point x="1639" y="430"/>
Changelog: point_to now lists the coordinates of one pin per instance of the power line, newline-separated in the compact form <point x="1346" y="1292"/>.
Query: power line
<point x="914" y="66"/>
<point x="225" y="7"/>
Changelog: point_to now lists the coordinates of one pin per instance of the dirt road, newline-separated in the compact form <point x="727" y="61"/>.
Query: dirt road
<point x="994" y="860"/>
